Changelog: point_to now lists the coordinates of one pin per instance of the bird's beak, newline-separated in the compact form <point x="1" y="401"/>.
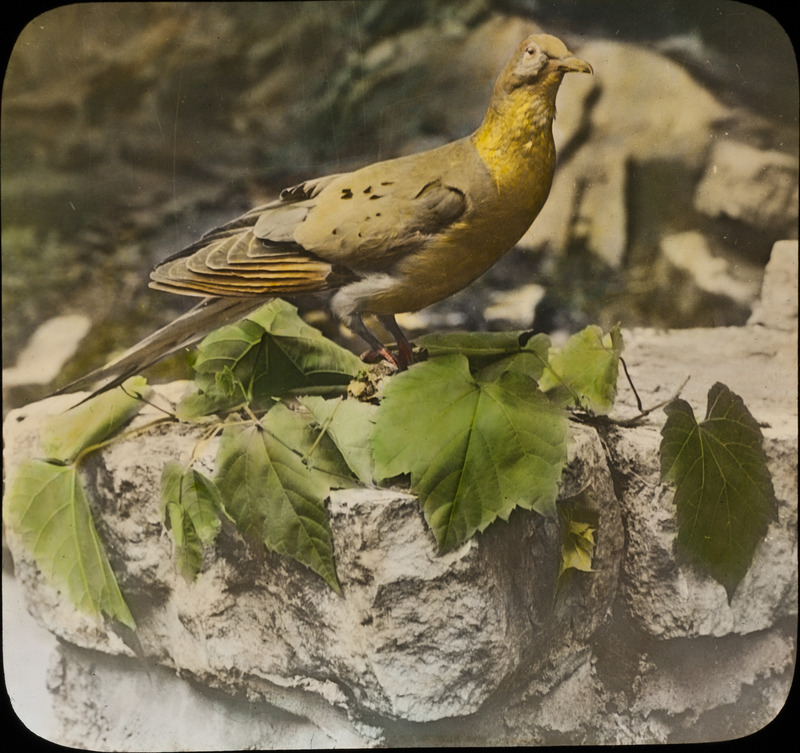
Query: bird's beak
<point x="575" y="65"/>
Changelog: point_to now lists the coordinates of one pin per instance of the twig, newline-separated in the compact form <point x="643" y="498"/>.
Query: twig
<point x="590" y="419"/>
<point x="123" y="436"/>
<point x="630" y="382"/>
<point x="140" y="396"/>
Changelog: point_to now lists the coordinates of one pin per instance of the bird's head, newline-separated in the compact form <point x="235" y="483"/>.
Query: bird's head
<point x="540" y="60"/>
<point x="520" y="114"/>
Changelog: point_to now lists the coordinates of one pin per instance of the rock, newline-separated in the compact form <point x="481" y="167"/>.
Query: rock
<point x="668" y="598"/>
<point x="171" y="714"/>
<point x="665" y="597"/>
<point x="777" y="306"/>
<point x="600" y="219"/>
<point x="49" y="348"/>
<point x="755" y="186"/>
<point x="690" y="253"/>
<point x="675" y="682"/>
<point x="473" y="636"/>
<point x="514" y="309"/>
<point x="631" y="111"/>
<point x="435" y="317"/>
<point x="471" y="645"/>
<point x="757" y="362"/>
<point x="415" y="636"/>
<point x="587" y="207"/>
<point x="416" y="639"/>
<point x="624" y="119"/>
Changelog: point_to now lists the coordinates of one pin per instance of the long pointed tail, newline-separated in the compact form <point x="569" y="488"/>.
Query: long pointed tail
<point x="208" y="315"/>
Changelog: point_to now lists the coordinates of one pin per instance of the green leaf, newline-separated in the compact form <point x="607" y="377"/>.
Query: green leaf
<point x="227" y="360"/>
<point x="349" y="424"/>
<point x="229" y="355"/>
<point x="585" y="370"/>
<point x="47" y="507"/>
<point x="578" y="547"/>
<point x="299" y="431"/>
<point x="475" y="449"/>
<point x="578" y="528"/>
<point x="274" y="498"/>
<point x="271" y="352"/>
<point x="189" y="506"/>
<point x="723" y="489"/>
<point x="302" y="349"/>
<point x="517" y="350"/>
<point x="66" y="435"/>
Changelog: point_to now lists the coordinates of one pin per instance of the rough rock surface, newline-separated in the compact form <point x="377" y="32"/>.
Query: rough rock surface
<point x="755" y="186"/>
<point x="416" y="636"/>
<point x="473" y="647"/>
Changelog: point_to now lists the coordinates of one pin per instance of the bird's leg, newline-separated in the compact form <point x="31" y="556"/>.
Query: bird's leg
<point x="377" y="347"/>
<point x="405" y="351"/>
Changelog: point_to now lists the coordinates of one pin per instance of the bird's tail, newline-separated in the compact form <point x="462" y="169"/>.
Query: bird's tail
<point x="188" y="328"/>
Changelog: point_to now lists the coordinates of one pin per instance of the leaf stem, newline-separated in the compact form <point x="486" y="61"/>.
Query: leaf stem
<point x="323" y="430"/>
<point x="630" y="382"/>
<point x="590" y="419"/>
<point x="140" y="396"/>
<point x="573" y="393"/>
<point x="124" y="435"/>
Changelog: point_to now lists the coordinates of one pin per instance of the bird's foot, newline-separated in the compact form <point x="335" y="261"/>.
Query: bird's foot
<point x="401" y="361"/>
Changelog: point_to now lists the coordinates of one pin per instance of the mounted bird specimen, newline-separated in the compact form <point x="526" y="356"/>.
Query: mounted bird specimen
<point x="392" y="237"/>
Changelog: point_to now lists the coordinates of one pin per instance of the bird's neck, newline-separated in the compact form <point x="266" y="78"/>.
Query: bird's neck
<point x="516" y="136"/>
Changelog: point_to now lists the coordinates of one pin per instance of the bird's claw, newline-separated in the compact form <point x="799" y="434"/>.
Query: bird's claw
<point x="401" y="361"/>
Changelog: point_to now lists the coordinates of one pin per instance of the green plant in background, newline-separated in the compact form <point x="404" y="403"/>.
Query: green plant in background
<point x="478" y="429"/>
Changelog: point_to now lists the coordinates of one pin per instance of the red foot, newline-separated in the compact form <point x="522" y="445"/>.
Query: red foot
<point x="401" y="362"/>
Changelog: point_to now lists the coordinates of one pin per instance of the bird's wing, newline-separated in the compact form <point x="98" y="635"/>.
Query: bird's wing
<point x="239" y="264"/>
<point x="232" y="261"/>
<point x="365" y="219"/>
<point x="323" y="233"/>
